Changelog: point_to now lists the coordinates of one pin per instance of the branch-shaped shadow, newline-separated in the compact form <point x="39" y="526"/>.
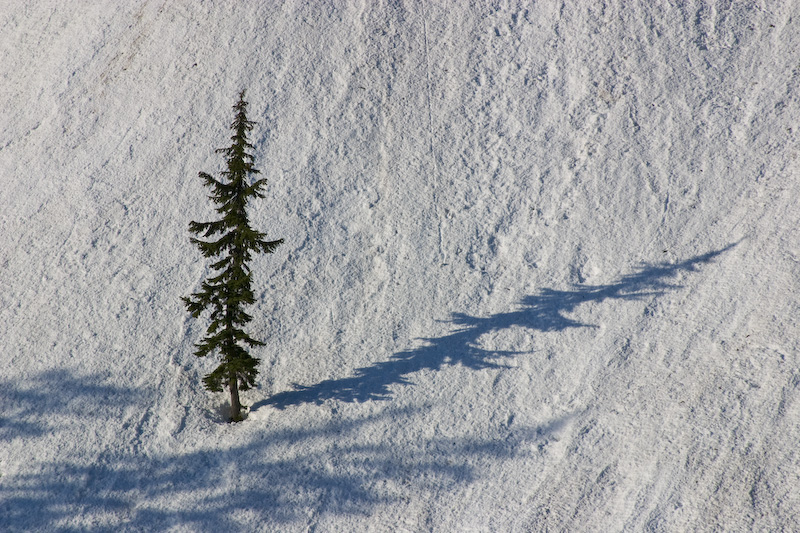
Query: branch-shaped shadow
<point x="545" y="311"/>
<point x="271" y="481"/>
<point x="28" y="404"/>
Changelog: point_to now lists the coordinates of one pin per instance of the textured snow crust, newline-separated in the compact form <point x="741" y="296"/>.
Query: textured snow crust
<point x="540" y="269"/>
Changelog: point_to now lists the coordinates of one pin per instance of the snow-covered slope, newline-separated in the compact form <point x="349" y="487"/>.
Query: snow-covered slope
<point x="540" y="268"/>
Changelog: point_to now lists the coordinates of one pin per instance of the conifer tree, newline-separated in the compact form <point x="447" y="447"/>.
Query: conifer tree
<point x="232" y="244"/>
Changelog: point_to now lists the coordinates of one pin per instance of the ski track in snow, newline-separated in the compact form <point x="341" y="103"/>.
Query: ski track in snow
<point x="539" y="273"/>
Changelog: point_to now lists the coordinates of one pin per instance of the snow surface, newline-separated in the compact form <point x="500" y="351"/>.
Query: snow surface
<point x="540" y="268"/>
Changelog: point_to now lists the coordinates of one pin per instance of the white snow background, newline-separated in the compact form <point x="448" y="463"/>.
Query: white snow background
<point x="540" y="269"/>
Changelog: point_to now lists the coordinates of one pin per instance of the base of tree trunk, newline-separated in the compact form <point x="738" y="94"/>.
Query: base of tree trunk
<point x="236" y="405"/>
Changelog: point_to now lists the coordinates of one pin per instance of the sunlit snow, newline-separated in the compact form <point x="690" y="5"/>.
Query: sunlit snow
<point x="539" y="273"/>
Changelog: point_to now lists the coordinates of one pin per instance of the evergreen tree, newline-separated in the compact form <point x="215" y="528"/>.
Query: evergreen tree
<point x="228" y="291"/>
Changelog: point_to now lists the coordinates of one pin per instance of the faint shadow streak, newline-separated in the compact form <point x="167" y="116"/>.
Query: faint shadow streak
<point x="545" y="311"/>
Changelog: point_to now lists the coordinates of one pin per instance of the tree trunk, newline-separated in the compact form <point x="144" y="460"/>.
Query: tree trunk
<point x="236" y="406"/>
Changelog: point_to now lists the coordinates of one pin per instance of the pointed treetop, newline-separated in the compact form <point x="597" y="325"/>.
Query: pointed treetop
<point x="240" y="122"/>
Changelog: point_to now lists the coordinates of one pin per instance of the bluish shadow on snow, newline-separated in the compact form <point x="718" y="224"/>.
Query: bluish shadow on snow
<point x="545" y="311"/>
<point x="275" y="479"/>
<point x="287" y="477"/>
<point x="291" y="476"/>
<point x="28" y="403"/>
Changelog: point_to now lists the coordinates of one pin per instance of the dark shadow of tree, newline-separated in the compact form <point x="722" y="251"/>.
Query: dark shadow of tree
<point x="545" y="311"/>
<point x="275" y="478"/>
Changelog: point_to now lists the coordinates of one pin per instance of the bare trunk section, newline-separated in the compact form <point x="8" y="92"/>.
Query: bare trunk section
<point x="236" y="406"/>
